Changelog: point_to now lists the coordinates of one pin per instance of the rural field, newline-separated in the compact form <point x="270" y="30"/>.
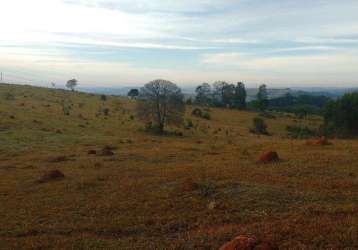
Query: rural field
<point x="194" y="188"/>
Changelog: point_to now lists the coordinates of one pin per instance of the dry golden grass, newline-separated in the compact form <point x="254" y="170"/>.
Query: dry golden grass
<point x="134" y="200"/>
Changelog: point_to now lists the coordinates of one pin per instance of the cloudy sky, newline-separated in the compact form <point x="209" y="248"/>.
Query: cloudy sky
<point x="130" y="42"/>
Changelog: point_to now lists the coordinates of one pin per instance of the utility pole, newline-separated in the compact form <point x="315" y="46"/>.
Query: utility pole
<point x="1" y="77"/>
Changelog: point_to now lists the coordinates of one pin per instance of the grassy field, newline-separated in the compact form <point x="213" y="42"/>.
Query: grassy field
<point x="135" y="198"/>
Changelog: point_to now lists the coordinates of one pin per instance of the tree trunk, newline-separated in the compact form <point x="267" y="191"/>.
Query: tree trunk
<point x="161" y="128"/>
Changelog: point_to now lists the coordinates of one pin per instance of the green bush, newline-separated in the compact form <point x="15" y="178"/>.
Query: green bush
<point x="103" y="98"/>
<point x="206" y="116"/>
<point x="200" y="113"/>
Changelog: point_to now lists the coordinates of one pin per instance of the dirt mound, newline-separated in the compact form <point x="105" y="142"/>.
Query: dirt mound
<point x="108" y="147"/>
<point x="240" y="243"/>
<point x="323" y="141"/>
<point x="107" y="151"/>
<point x="188" y="185"/>
<point x="268" y="157"/>
<point x="51" y="176"/>
<point x="248" y="243"/>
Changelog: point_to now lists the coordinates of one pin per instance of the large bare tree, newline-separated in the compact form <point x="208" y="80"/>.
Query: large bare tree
<point x="161" y="102"/>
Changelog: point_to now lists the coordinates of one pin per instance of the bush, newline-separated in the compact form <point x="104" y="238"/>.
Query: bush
<point x="199" y="113"/>
<point x="103" y="98"/>
<point x="189" y="124"/>
<point x="206" y="188"/>
<point x="106" y="111"/>
<point x="206" y="116"/>
<point x="259" y="126"/>
<point x="65" y="108"/>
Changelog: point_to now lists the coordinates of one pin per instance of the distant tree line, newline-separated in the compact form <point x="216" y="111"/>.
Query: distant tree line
<point x="301" y="105"/>
<point x="221" y="94"/>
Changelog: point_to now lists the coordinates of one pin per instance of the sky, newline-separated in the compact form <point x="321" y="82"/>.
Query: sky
<point x="113" y="43"/>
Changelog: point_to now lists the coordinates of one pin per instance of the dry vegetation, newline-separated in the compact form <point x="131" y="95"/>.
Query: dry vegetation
<point x="133" y="197"/>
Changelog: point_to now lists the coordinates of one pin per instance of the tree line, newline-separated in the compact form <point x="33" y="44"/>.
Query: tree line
<point x="223" y="94"/>
<point x="161" y="103"/>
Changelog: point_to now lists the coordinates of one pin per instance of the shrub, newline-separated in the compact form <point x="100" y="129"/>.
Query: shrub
<point x="259" y="126"/>
<point x="103" y="98"/>
<point x="189" y="124"/>
<point x="106" y="111"/>
<point x="206" y="116"/>
<point x="206" y="188"/>
<point x="197" y="112"/>
<point x="65" y="108"/>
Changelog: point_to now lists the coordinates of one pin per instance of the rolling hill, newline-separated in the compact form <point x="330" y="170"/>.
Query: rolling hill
<point x="123" y="188"/>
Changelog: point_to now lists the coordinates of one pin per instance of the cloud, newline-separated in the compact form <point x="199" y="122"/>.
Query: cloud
<point x="186" y="40"/>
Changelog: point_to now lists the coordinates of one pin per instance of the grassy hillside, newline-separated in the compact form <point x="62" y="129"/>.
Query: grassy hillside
<point x="138" y="198"/>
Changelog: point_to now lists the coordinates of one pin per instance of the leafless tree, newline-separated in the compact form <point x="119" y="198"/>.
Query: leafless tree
<point x="161" y="103"/>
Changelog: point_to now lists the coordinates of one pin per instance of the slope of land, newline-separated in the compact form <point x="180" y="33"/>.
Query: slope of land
<point x="137" y="198"/>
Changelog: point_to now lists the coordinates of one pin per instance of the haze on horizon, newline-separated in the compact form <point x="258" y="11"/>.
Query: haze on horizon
<point x="282" y="43"/>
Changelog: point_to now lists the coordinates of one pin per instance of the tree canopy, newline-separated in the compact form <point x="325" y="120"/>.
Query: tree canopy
<point x="71" y="84"/>
<point x="161" y="102"/>
<point x="341" y="115"/>
<point x="133" y="93"/>
<point x="221" y="94"/>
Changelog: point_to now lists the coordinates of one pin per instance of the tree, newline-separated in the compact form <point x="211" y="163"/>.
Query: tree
<point x="229" y="95"/>
<point x="219" y="92"/>
<point x="240" y="96"/>
<point x="133" y="93"/>
<point x="161" y="103"/>
<point x="262" y="98"/>
<point x="71" y="84"/>
<point x="341" y="116"/>
<point x="203" y="94"/>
